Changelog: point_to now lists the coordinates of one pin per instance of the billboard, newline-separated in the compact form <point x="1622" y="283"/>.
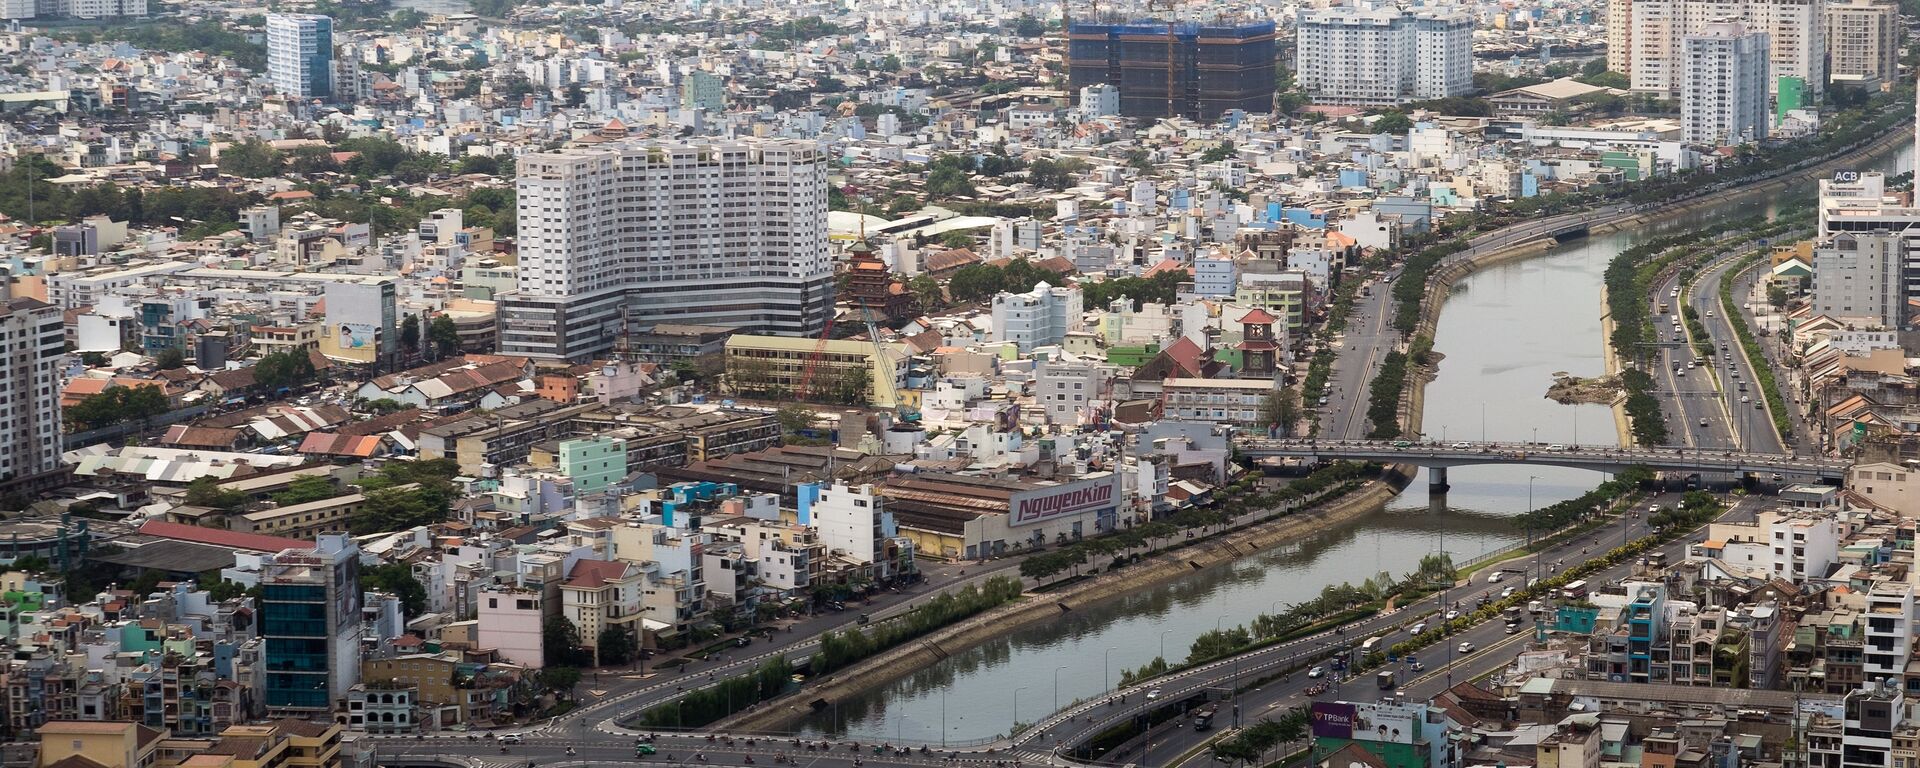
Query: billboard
<point x="1333" y="720"/>
<point x="1064" y="500"/>
<point x="357" y="335"/>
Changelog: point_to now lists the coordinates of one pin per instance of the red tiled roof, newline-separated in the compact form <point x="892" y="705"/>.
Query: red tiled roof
<point x="594" y="573"/>
<point x="251" y="542"/>
<point x="1258" y="316"/>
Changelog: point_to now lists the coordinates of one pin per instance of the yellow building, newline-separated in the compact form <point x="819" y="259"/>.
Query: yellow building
<point x="774" y="367"/>
<point x="284" y="743"/>
<point x="103" y="744"/>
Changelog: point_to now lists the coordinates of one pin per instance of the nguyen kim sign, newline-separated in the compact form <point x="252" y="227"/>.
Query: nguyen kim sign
<point x="1333" y="720"/>
<point x="1064" y="500"/>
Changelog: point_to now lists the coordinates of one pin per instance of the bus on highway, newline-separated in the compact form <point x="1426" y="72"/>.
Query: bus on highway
<point x="1575" y="591"/>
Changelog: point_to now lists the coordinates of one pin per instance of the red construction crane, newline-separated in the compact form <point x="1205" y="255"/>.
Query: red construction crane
<point x="813" y="361"/>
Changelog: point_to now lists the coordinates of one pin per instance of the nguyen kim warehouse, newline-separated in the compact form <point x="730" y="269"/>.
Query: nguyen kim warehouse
<point x="1177" y="69"/>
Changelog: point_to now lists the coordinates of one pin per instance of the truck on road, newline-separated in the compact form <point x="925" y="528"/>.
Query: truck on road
<point x="1203" y="717"/>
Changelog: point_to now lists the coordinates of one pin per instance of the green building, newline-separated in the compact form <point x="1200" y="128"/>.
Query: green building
<point x="1792" y="95"/>
<point x="593" y="463"/>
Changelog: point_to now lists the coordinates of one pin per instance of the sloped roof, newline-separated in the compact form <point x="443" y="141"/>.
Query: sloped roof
<point x="251" y="542"/>
<point x="335" y="444"/>
<point x="594" y="573"/>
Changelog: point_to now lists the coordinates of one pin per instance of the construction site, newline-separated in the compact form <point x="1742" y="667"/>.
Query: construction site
<point x="1191" y="69"/>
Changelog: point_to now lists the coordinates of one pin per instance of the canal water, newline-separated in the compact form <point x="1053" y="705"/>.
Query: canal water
<point x="1504" y="332"/>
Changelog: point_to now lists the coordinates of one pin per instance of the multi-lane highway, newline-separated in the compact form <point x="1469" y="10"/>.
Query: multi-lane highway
<point x="1177" y="744"/>
<point x="1080" y="723"/>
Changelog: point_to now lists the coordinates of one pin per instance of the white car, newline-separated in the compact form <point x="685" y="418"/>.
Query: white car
<point x="1316" y="673"/>
<point x="1417" y="628"/>
<point x="1467" y="647"/>
<point x="1153" y="694"/>
<point x="1495" y="577"/>
<point x="1505" y="593"/>
<point x="1462" y="446"/>
<point x="1451" y="615"/>
<point x="1653" y="509"/>
<point x="511" y="738"/>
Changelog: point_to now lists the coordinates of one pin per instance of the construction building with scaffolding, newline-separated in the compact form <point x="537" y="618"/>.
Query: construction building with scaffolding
<point x="1195" y="70"/>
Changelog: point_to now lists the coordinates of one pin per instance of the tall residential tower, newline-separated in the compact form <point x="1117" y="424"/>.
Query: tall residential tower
<point x="624" y="235"/>
<point x="1723" y="98"/>
<point x="300" y="54"/>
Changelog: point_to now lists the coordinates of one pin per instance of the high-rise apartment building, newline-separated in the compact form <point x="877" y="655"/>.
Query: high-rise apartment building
<point x="1619" y="31"/>
<point x="300" y="54"/>
<point x="1723" y="98"/>
<point x="1177" y="69"/>
<point x="624" y="235"/>
<point x="1383" y="56"/>
<point x="31" y="343"/>
<point x="1862" y="42"/>
<point x="310" y="622"/>
<point x="1653" y="31"/>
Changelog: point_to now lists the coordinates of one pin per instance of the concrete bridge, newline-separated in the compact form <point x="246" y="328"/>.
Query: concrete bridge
<point x="1437" y="457"/>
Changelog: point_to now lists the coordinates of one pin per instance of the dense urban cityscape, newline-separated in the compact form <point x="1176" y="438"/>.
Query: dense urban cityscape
<point x="482" y="384"/>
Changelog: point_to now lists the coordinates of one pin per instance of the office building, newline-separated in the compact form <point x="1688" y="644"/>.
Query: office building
<point x="1177" y="69"/>
<point x="1653" y="39"/>
<point x="1858" y="275"/>
<point x="1724" y="97"/>
<point x="624" y="235"/>
<point x="310" y="621"/>
<point x="1383" y="56"/>
<point x="300" y="54"/>
<point x="1863" y="42"/>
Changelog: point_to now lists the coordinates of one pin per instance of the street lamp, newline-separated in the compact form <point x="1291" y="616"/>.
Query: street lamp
<point x="1056" y="688"/>
<point x="1106" y="679"/>
<point x="1163" y="644"/>
<point x="1016" y="705"/>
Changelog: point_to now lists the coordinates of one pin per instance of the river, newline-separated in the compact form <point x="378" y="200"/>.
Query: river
<point x="1504" y="332"/>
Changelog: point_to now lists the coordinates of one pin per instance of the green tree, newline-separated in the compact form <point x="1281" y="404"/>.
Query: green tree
<point x="444" y="335"/>
<point x="287" y="368"/>
<point x="560" y="642"/>
<point x="1394" y="123"/>
<point x="926" y="292"/>
<point x="1222" y="151"/>
<point x="306" y="489"/>
<point x="560" y="680"/>
<point x="1282" y="409"/>
<point x="397" y="509"/>
<point x="206" y="492"/>
<point x="251" y="159"/>
<point x="948" y="181"/>
<point x="618" y="645"/>
<point x="1028" y="26"/>
<point x="484" y="164"/>
<point x="169" y="359"/>
<point x="30" y="564"/>
<point x="410" y="333"/>
<point x="397" y="579"/>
